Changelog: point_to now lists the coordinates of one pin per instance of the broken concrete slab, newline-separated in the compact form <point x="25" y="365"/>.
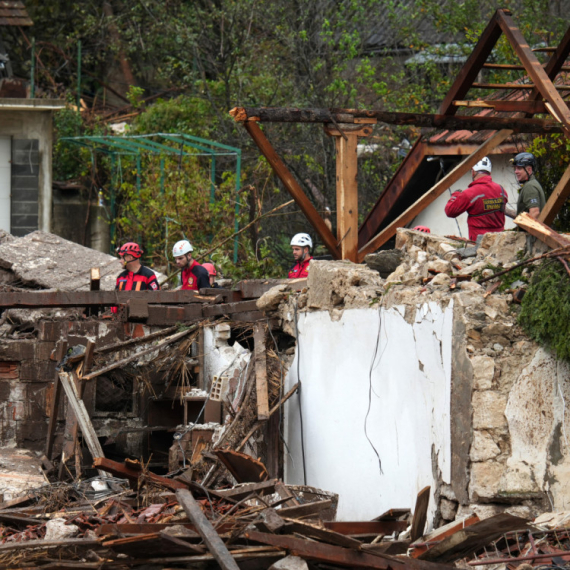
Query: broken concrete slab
<point x="385" y="262"/>
<point x="45" y="260"/>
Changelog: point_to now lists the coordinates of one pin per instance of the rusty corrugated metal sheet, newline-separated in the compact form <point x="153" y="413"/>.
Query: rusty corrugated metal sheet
<point x="14" y="13"/>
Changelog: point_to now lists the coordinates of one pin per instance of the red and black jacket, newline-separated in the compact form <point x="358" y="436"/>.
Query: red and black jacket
<point x="195" y="277"/>
<point x="300" y="269"/>
<point x="144" y="279"/>
<point x="484" y="201"/>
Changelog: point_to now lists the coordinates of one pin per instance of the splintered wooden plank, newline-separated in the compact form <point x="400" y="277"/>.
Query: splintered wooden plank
<point x="420" y="514"/>
<point x="556" y="199"/>
<point x="541" y="231"/>
<point x="211" y="538"/>
<point x="468" y="540"/>
<point x="61" y="349"/>
<point x="82" y="417"/>
<point x="261" y="372"/>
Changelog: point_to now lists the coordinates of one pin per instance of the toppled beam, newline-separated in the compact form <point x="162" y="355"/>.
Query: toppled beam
<point x="261" y="372"/>
<point x="132" y="341"/>
<point x="420" y="514"/>
<point x="431" y="195"/>
<point x="293" y="187"/>
<point x="27" y="299"/>
<point x="249" y="115"/>
<point x="133" y="475"/>
<point x="136" y="355"/>
<point x="556" y="199"/>
<point x="82" y="417"/>
<point x="211" y="538"/>
<point x="541" y="231"/>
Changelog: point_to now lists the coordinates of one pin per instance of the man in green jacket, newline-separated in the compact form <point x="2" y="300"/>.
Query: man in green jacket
<point x="531" y="195"/>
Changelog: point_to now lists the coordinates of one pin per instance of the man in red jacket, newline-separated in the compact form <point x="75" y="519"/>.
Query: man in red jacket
<point x="301" y="245"/>
<point x="135" y="277"/>
<point x="193" y="276"/>
<point x="484" y="201"/>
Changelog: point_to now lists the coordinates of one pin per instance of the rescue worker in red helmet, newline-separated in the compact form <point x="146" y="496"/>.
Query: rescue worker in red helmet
<point x="193" y="276"/>
<point x="209" y="267"/>
<point x="483" y="200"/>
<point x="135" y="277"/>
<point x="301" y="245"/>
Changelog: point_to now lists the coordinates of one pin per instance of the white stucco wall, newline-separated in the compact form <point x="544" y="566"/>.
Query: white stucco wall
<point x="408" y="388"/>
<point x="434" y="215"/>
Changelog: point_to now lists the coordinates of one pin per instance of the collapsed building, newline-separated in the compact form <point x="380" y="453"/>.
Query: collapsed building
<point x="360" y="388"/>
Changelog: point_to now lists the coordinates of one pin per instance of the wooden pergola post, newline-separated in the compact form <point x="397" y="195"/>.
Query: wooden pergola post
<point x="346" y="142"/>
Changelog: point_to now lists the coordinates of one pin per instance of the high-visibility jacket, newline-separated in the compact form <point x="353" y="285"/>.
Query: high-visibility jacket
<point x="144" y="279"/>
<point x="484" y="201"/>
<point x="300" y="269"/>
<point x="195" y="277"/>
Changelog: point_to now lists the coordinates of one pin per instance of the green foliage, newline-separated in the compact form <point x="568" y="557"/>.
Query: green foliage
<point x="553" y="158"/>
<point x="545" y="313"/>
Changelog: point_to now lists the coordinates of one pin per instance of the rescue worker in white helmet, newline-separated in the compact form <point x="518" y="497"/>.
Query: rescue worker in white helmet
<point x="301" y="245"/>
<point x="193" y="276"/>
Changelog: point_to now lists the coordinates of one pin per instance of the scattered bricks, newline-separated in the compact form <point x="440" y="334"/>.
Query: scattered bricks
<point x="9" y="371"/>
<point x="37" y="371"/>
<point x="50" y="330"/>
<point x="17" y="350"/>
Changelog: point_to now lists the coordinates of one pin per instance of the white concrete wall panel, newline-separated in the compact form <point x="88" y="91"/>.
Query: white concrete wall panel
<point x="400" y="399"/>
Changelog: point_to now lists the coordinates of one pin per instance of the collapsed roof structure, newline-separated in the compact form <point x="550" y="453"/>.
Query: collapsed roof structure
<point x="326" y="422"/>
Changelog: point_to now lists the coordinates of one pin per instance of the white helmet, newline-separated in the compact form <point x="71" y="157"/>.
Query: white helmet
<point x="302" y="240"/>
<point x="484" y="164"/>
<point x="181" y="248"/>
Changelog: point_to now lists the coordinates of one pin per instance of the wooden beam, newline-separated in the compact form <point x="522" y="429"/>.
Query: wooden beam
<point x="420" y="514"/>
<point x="354" y="117"/>
<point x="432" y="194"/>
<point x="392" y="193"/>
<point x="507" y="106"/>
<point x="347" y="195"/>
<point x="472" y="66"/>
<point x="82" y="417"/>
<point x="534" y="68"/>
<point x="556" y="200"/>
<point x="60" y="351"/>
<point x="211" y="538"/>
<point x="541" y="231"/>
<point x="137" y="355"/>
<point x="293" y="187"/>
<point x="261" y="372"/>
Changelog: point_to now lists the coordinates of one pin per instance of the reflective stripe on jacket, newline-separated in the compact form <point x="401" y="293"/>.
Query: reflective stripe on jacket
<point x="484" y="201"/>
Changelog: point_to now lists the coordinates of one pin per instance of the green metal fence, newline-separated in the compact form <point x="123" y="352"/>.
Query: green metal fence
<point x="186" y="145"/>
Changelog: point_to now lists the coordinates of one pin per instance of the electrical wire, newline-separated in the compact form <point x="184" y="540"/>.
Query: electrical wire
<point x="370" y="389"/>
<point x="299" y="391"/>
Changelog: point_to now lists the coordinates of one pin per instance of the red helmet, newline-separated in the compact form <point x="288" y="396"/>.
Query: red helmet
<point x="422" y="229"/>
<point x="131" y="248"/>
<point x="210" y="268"/>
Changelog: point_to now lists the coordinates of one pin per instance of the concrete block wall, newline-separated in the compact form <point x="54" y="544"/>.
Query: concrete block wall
<point x="25" y="186"/>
